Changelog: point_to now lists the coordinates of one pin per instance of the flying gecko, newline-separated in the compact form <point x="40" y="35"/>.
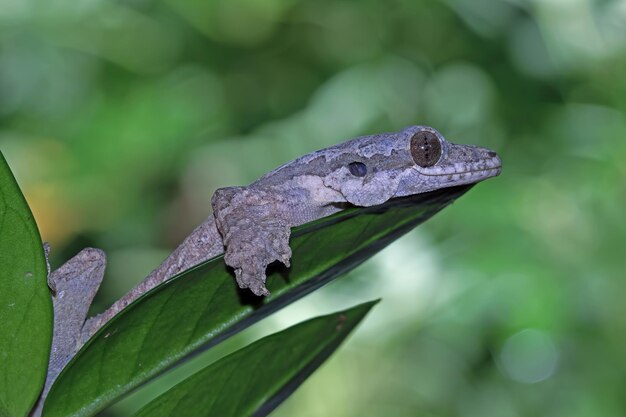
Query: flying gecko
<point x="251" y="224"/>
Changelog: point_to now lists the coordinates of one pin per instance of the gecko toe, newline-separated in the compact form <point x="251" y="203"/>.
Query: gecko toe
<point x="260" y="290"/>
<point x="254" y="282"/>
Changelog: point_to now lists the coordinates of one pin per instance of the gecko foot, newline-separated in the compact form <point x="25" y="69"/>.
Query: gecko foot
<point x="255" y="233"/>
<point x="250" y="259"/>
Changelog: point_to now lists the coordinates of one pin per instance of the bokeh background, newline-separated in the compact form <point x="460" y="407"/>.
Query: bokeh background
<point x="120" y="119"/>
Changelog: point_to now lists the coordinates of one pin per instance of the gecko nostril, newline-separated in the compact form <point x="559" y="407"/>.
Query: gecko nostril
<point x="492" y="154"/>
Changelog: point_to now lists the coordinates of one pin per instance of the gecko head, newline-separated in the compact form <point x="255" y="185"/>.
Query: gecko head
<point x="374" y="169"/>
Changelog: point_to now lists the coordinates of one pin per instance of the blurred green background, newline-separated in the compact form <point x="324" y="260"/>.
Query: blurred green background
<point x="120" y="119"/>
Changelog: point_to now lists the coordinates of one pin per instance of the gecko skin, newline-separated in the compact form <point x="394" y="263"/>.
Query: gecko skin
<point x="251" y="224"/>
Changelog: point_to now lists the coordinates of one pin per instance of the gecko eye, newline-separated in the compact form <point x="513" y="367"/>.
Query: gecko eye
<point x="425" y="148"/>
<point x="358" y="169"/>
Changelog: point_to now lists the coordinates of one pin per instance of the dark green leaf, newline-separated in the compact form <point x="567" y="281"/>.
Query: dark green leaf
<point x="257" y="378"/>
<point x="202" y="306"/>
<point x="25" y="303"/>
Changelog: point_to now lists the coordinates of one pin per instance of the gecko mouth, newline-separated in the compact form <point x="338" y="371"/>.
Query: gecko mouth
<point x="463" y="171"/>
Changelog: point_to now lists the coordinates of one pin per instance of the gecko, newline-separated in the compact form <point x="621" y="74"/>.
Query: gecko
<point x="251" y="224"/>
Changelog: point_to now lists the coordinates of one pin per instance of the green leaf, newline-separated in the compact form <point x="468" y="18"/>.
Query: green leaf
<point x="257" y="378"/>
<point x="202" y="306"/>
<point x="25" y="303"/>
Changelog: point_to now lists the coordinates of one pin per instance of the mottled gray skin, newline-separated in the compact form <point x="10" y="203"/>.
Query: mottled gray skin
<point x="74" y="285"/>
<point x="251" y="225"/>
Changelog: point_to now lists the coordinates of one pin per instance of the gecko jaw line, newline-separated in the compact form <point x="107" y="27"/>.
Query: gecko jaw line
<point x="469" y="171"/>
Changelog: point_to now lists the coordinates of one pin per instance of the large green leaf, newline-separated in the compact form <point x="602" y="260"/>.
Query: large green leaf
<point x="202" y="306"/>
<point x="257" y="378"/>
<point x="25" y="303"/>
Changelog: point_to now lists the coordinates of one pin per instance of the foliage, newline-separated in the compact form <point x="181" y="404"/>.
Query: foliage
<point x="121" y="118"/>
<point x="25" y="305"/>
<point x="256" y="379"/>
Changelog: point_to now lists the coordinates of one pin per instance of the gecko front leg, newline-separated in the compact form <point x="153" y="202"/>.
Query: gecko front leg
<point x="255" y="231"/>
